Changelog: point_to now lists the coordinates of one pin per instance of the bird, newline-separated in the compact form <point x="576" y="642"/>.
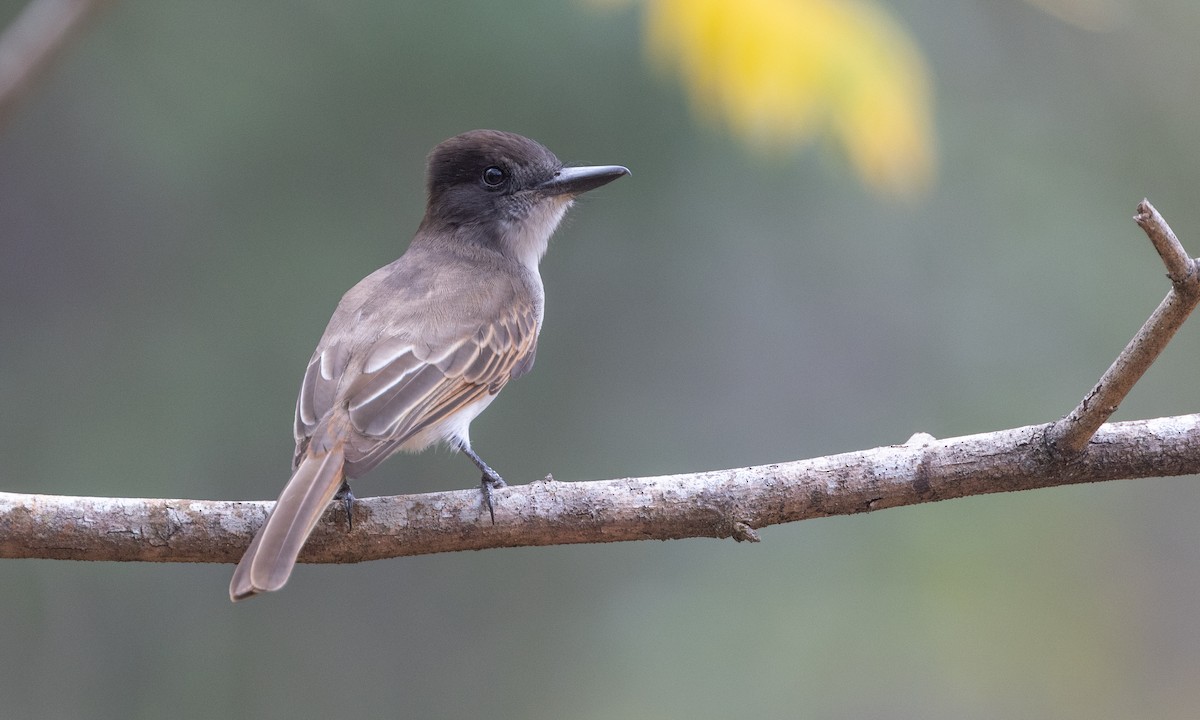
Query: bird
<point x="417" y="349"/>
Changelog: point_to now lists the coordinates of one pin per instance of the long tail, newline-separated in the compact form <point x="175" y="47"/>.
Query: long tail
<point x="271" y="556"/>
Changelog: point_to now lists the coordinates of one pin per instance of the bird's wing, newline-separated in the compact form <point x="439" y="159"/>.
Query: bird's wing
<point x="404" y="386"/>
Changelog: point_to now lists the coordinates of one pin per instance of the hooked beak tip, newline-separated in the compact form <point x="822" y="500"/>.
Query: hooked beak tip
<point x="577" y="180"/>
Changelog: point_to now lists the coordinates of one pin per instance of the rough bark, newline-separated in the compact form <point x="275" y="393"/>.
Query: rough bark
<point x="722" y="503"/>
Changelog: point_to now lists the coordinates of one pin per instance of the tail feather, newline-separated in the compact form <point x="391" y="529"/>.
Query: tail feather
<point x="271" y="556"/>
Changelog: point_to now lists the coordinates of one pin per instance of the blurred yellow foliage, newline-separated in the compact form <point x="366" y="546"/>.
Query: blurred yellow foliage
<point x="780" y="72"/>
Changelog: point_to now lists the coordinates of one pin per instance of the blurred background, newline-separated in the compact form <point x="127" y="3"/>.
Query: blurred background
<point x="846" y="223"/>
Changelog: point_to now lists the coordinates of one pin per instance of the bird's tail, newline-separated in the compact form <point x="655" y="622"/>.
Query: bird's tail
<point x="271" y="556"/>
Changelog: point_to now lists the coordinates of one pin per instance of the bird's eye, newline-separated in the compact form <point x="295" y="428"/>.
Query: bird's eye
<point x="493" y="176"/>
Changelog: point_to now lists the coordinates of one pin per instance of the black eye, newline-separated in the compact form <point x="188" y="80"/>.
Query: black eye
<point x="493" y="176"/>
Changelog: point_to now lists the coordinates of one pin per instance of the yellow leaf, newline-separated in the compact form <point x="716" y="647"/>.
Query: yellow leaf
<point x="781" y="72"/>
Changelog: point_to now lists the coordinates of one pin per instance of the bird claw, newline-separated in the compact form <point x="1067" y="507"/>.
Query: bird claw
<point x="490" y="480"/>
<point x="346" y="495"/>
<point x="489" y="483"/>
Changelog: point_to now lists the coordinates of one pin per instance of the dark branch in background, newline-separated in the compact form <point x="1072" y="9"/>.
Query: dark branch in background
<point x="30" y="44"/>
<point x="726" y="503"/>
<point x="1071" y="434"/>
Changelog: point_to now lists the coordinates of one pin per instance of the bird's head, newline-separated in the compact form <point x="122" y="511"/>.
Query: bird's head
<point x="505" y="191"/>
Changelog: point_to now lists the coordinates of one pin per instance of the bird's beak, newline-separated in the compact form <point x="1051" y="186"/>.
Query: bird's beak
<point x="576" y="180"/>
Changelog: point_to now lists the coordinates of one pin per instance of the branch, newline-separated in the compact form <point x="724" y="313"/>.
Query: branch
<point x="725" y="503"/>
<point x="31" y="43"/>
<point x="721" y="504"/>
<point x="1071" y="434"/>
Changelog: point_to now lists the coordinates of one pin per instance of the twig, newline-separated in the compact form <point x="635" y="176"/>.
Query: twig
<point x="1179" y="266"/>
<point x="726" y="503"/>
<point x="31" y="43"/>
<point x="1071" y="434"/>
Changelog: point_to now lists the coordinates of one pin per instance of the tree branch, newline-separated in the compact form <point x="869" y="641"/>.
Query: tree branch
<point x="1071" y="434"/>
<point x="31" y="43"/>
<point x="725" y="503"/>
<point x="722" y="504"/>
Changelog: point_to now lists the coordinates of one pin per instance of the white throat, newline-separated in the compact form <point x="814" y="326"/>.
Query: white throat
<point x="530" y="237"/>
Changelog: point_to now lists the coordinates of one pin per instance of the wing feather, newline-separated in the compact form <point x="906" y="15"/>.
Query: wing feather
<point x="318" y="390"/>
<point x="409" y="394"/>
<point x="457" y="360"/>
<point x="385" y="352"/>
<point x="402" y="387"/>
<point x="376" y="389"/>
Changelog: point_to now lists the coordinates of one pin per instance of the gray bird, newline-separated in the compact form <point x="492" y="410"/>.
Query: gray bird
<point x="417" y="349"/>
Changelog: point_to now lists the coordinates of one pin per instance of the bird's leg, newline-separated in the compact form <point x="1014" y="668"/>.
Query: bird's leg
<point x="491" y="479"/>
<point x="346" y="495"/>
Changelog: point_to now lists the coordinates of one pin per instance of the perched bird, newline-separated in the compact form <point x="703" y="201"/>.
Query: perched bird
<point x="417" y="349"/>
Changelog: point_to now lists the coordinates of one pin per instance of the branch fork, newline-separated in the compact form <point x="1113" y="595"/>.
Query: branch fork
<point x="1070" y="435"/>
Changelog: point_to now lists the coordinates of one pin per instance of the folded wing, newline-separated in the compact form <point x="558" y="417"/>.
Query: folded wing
<point x="403" y="387"/>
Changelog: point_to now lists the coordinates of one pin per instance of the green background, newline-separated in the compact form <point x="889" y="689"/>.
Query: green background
<point x="185" y="198"/>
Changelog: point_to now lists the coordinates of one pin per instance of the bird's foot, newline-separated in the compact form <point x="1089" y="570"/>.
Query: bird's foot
<point x="491" y="481"/>
<point x="346" y="496"/>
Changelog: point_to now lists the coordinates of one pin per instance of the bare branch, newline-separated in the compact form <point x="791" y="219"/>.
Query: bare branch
<point x="31" y="43"/>
<point x="1179" y="266"/>
<point x="725" y="503"/>
<point x="1071" y="434"/>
